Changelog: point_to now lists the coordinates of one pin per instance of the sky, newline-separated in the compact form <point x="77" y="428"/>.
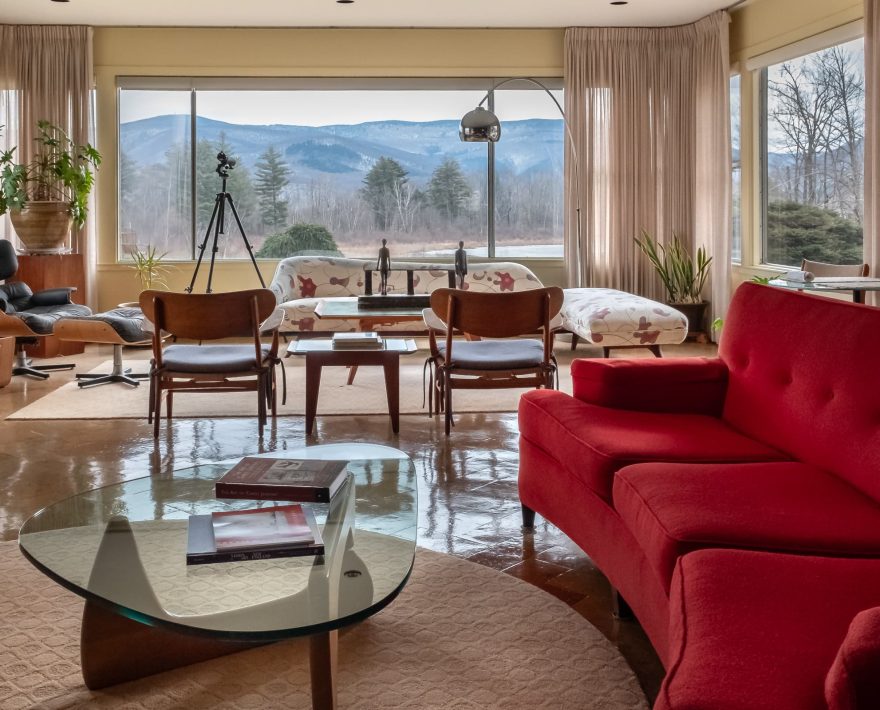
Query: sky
<point x="322" y="108"/>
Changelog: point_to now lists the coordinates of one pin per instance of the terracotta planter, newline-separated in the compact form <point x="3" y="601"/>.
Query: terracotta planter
<point x="696" y="315"/>
<point x="42" y="226"/>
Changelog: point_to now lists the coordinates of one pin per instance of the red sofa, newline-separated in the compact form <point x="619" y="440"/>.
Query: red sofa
<point x="732" y="501"/>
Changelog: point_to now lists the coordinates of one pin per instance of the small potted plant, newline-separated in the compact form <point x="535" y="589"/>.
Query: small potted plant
<point x="149" y="268"/>
<point x="682" y="276"/>
<point x="50" y="193"/>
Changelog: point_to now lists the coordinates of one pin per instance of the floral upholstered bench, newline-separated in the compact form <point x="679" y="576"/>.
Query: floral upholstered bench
<point x="302" y="282"/>
<point x="616" y="319"/>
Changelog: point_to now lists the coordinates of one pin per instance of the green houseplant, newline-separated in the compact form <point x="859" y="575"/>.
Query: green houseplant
<point x="50" y="193"/>
<point x="149" y="268"/>
<point x="683" y="276"/>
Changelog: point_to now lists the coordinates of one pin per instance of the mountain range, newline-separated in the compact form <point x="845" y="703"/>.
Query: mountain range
<point x="346" y="152"/>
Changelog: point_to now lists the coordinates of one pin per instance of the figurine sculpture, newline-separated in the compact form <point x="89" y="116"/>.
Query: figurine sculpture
<point x="383" y="266"/>
<point x="461" y="267"/>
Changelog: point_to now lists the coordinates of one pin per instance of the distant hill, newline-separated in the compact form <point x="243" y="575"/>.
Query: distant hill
<point x="346" y="152"/>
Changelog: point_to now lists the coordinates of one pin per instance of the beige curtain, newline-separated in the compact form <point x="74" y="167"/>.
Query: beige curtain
<point x="872" y="138"/>
<point x="47" y="72"/>
<point x="649" y="113"/>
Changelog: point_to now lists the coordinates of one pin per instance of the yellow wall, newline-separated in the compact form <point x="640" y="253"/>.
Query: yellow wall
<point x="295" y="53"/>
<point x="757" y="27"/>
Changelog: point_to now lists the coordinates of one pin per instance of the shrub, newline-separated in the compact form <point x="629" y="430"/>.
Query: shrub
<point x="299" y="240"/>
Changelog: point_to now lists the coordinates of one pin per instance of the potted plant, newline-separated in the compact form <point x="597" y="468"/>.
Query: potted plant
<point x="50" y="193"/>
<point x="682" y="277"/>
<point x="149" y="268"/>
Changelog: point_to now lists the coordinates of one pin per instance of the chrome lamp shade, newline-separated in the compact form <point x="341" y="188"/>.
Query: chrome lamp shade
<point x="480" y="126"/>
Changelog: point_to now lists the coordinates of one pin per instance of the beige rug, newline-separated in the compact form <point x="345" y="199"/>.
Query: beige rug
<point x="460" y="635"/>
<point x="365" y="396"/>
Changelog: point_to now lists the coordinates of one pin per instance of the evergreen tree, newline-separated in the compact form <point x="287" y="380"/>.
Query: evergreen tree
<point x="382" y="186"/>
<point x="300" y="239"/>
<point x="796" y="231"/>
<point x="448" y="189"/>
<point x="272" y="176"/>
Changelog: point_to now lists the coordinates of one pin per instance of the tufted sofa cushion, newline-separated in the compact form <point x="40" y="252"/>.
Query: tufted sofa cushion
<point x="759" y="631"/>
<point x="786" y="507"/>
<point x="788" y="387"/>
<point x="593" y="442"/>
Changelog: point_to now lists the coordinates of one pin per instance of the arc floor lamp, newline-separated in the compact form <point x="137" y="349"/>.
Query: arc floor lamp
<point x="482" y="126"/>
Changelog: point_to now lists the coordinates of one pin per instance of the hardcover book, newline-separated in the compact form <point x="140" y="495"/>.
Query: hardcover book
<point x="301" y="480"/>
<point x="258" y="534"/>
<point x="357" y="341"/>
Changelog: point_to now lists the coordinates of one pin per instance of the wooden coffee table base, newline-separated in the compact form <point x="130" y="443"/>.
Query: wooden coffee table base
<point x="389" y="360"/>
<point x="114" y="649"/>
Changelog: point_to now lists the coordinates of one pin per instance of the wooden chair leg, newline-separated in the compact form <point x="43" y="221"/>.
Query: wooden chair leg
<point x="574" y="340"/>
<point x="448" y="402"/>
<point x="169" y="403"/>
<point x="656" y="350"/>
<point x="157" y="407"/>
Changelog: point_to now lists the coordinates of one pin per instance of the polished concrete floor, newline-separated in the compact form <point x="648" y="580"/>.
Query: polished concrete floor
<point x="468" y="504"/>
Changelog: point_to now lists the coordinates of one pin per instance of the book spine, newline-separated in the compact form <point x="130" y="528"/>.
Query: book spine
<point x="296" y="495"/>
<point x="204" y="558"/>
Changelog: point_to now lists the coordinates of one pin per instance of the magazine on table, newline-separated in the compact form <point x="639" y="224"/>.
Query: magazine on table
<point x="254" y="534"/>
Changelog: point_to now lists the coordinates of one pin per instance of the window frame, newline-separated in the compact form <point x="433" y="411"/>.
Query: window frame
<point x="194" y="84"/>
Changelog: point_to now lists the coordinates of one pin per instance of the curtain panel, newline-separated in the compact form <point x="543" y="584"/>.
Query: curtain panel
<point x="872" y="140"/>
<point x="47" y="73"/>
<point x="650" y="120"/>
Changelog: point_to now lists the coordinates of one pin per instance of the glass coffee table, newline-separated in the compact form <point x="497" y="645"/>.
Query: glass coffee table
<point x="122" y="547"/>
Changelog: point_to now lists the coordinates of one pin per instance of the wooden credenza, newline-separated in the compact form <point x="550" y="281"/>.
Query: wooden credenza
<point x="42" y="271"/>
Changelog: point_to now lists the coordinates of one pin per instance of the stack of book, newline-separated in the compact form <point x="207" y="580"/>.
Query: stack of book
<point x="357" y="341"/>
<point x="265" y="533"/>
<point x="258" y="534"/>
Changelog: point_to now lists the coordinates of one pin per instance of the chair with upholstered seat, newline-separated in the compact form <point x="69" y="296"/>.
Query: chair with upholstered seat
<point x="29" y="316"/>
<point x="221" y="367"/>
<point x="490" y="364"/>
<point x="821" y="269"/>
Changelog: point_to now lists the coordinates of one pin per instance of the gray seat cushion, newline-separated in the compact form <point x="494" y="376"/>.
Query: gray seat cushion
<point x="127" y="322"/>
<point x="210" y="358"/>
<point x="495" y="354"/>
<point x="42" y="319"/>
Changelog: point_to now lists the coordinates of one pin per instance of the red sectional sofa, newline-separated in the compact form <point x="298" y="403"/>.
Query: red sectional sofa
<point x="732" y="501"/>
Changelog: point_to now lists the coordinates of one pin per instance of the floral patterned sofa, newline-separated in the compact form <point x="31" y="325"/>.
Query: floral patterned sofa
<point x="302" y="282"/>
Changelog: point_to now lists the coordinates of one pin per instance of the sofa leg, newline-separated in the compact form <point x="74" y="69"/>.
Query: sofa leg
<point x="619" y="607"/>
<point x="528" y="517"/>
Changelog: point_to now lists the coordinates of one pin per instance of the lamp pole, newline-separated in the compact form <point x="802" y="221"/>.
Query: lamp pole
<point x="488" y="129"/>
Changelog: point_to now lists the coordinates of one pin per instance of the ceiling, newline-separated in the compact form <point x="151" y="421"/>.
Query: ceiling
<point x="360" y="13"/>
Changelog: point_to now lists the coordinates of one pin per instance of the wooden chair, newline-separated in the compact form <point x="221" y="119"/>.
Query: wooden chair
<point x="490" y="364"/>
<point x="820" y="269"/>
<point x="217" y="367"/>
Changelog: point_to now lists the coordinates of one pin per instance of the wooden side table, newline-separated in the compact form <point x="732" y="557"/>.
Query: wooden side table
<point x="319" y="353"/>
<point x="42" y="271"/>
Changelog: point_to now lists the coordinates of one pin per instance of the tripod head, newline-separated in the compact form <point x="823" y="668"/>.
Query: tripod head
<point x="224" y="165"/>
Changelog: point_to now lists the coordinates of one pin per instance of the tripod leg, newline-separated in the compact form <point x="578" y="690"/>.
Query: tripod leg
<point x="250" y="249"/>
<point x="218" y="229"/>
<point x="204" y="243"/>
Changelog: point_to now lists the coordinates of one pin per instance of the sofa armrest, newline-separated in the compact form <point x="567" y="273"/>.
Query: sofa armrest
<point x="53" y="296"/>
<point x="677" y="385"/>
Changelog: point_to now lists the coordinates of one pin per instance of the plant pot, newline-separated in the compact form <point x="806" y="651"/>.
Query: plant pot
<point x="42" y="227"/>
<point x="696" y="315"/>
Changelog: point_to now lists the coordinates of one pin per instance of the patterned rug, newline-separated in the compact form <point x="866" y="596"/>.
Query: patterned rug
<point x="460" y="636"/>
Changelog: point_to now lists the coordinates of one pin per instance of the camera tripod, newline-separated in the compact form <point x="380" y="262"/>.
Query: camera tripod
<point x="217" y="223"/>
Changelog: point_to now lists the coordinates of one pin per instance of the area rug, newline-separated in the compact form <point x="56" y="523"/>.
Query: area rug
<point x="365" y="396"/>
<point x="460" y="635"/>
